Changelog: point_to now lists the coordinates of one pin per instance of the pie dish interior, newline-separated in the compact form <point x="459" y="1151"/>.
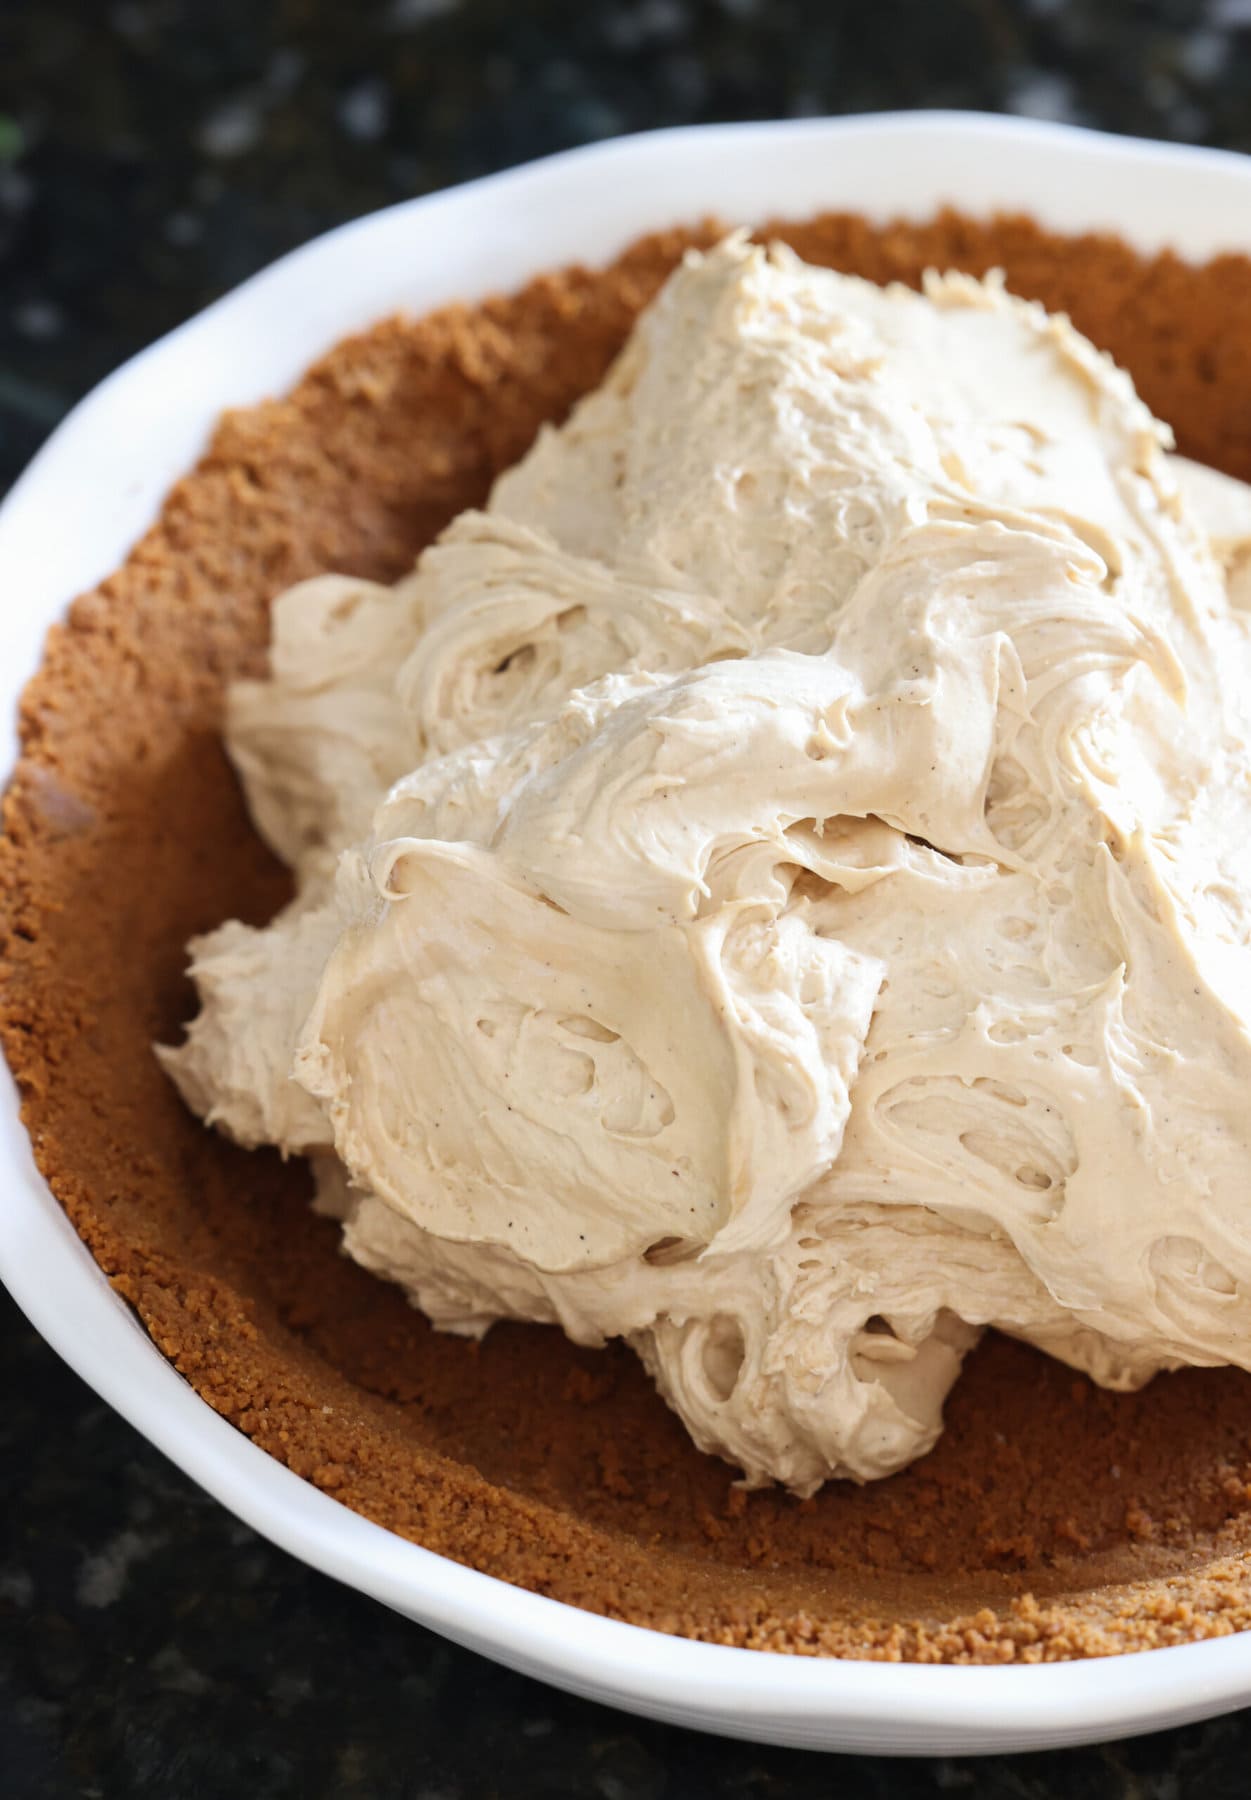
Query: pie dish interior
<point x="1052" y="1520"/>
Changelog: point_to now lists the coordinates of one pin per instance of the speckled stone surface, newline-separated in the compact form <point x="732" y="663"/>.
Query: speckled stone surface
<point x="152" y="154"/>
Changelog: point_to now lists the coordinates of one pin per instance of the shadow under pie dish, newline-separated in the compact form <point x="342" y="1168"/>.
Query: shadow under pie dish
<point x="1053" y="1519"/>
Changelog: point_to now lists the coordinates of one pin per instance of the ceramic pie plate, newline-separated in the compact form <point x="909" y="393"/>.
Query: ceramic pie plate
<point x="489" y="236"/>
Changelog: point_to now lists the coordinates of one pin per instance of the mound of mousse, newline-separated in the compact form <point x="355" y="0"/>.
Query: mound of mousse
<point x="775" y="886"/>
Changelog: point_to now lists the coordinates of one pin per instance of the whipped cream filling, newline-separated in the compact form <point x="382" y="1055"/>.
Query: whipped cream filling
<point x="775" y="885"/>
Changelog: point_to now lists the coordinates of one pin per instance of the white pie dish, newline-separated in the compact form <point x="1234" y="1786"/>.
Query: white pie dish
<point x="488" y="236"/>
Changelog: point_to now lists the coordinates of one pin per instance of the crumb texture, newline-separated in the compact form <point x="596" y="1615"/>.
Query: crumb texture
<point x="1053" y="1520"/>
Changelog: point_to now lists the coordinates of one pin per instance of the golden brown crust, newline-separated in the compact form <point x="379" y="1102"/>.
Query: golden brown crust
<point x="1053" y="1520"/>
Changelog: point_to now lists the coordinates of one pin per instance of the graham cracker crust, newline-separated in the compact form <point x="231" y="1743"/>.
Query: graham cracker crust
<point x="1053" y="1520"/>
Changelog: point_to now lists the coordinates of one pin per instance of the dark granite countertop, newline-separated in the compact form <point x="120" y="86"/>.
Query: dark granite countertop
<point x="152" y="153"/>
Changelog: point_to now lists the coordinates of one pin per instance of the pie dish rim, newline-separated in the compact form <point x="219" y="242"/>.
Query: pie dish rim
<point x="489" y="235"/>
